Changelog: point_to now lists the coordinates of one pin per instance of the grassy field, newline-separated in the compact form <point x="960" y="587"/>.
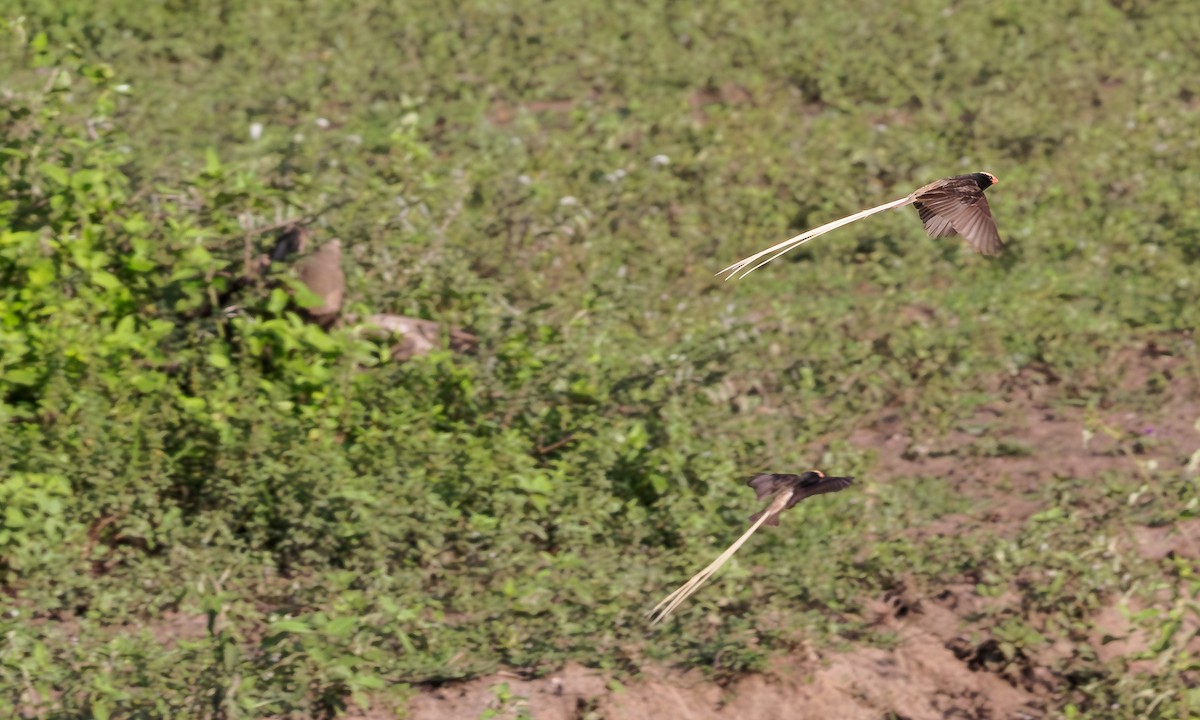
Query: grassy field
<point x="209" y="513"/>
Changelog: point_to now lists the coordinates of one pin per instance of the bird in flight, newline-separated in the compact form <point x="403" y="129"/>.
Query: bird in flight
<point x="950" y="206"/>
<point x="788" y="490"/>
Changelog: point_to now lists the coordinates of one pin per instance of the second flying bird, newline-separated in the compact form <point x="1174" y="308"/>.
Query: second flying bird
<point x="787" y="490"/>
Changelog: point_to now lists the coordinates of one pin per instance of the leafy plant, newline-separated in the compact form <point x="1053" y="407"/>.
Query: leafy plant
<point x="212" y="508"/>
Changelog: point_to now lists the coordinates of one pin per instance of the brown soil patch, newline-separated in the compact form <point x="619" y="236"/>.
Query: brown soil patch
<point x="920" y="679"/>
<point x="502" y="113"/>
<point x="1115" y="636"/>
<point x="1180" y="539"/>
<point x="726" y="94"/>
<point x="561" y="695"/>
<point x="1004" y="454"/>
<point x="935" y="670"/>
<point x="173" y="627"/>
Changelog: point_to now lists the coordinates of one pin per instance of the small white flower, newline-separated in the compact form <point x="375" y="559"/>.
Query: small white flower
<point x="322" y="123"/>
<point x="660" y="160"/>
<point x="615" y="176"/>
<point x="567" y="201"/>
<point x="124" y="88"/>
<point x="524" y="180"/>
<point x="256" y="130"/>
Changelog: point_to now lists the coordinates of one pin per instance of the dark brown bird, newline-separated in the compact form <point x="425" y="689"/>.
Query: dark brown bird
<point x="788" y="490"/>
<point x="950" y="206"/>
<point x="803" y="486"/>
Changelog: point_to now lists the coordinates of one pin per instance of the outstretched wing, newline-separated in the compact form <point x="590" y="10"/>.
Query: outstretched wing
<point x="967" y="214"/>
<point x="767" y="484"/>
<point x="820" y="487"/>
<point x="936" y="225"/>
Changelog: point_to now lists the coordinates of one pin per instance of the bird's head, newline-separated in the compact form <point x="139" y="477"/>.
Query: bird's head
<point x="985" y="180"/>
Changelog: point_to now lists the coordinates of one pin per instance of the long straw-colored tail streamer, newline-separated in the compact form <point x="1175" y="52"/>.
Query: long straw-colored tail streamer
<point x="668" y="604"/>
<point x="793" y="243"/>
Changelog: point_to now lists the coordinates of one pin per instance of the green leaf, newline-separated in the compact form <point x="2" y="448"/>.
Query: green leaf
<point x="369" y="682"/>
<point x="1165" y="636"/>
<point x="1054" y="513"/>
<point x="87" y="180"/>
<point x="41" y="273"/>
<point x="1193" y="698"/>
<point x="13" y="517"/>
<point x="106" y="280"/>
<point x="306" y="298"/>
<point x="277" y="302"/>
<point x="193" y="404"/>
<point x="21" y="376"/>
<point x="341" y="627"/>
<point x="535" y="484"/>
<point x="218" y="360"/>
<point x="140" y="264"/>
<point x="321" y="341"/>
<point x="55" y="173"/>
<point x="212" y="162"/>
<point x="296" y="627"/>
<point x="17" y="238"/>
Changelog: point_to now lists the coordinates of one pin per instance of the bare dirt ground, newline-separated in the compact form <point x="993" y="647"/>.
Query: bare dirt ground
<point x="935" y="670"/>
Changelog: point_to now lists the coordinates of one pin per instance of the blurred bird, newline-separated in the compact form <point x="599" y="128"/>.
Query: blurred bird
<point x="950" y="206"/>
<point x="322" y="273"/>
<point x="788" y="490"/>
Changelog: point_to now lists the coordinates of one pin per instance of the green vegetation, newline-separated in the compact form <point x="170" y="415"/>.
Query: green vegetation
<point x="350" y="526"/>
